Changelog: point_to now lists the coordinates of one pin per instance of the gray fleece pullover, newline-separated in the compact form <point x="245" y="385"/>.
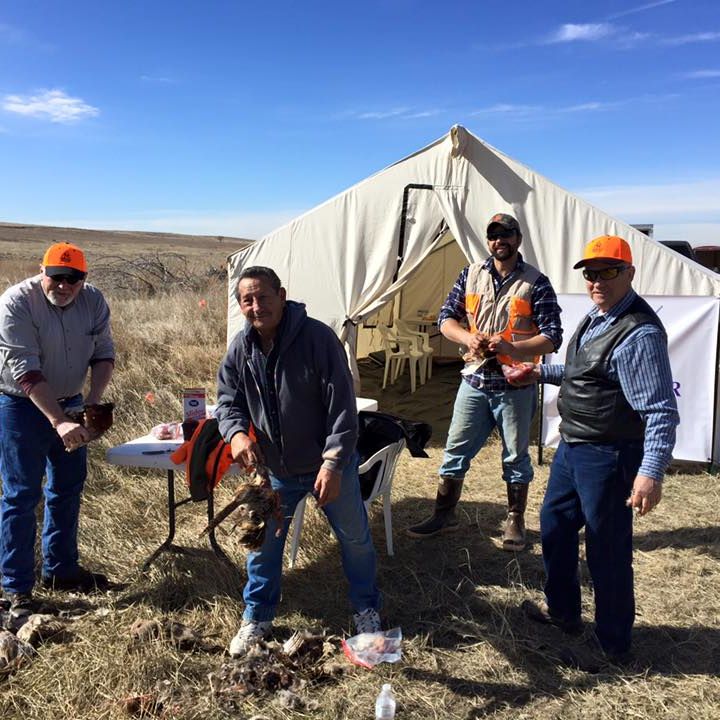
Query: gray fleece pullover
<point x="303" y="410"/>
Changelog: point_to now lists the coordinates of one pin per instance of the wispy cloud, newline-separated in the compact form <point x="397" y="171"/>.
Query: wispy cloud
<point x="11" y="35"/>
<point x="526" y="112"/>
<point x="382" y="114"/>
<point x="53" y="105"/>
<point x="701" y="74"/>
<point x="586" y="32"/>
<point x="422" y="114"/>
<point x="639" y="8"/>
<point x="592" y="106"/>
<point x="668" y="202"/>
<point x="667" y="205"/>
<point x="691" y="38"/>
<point x="158" y="79"/>
<point x="501" y="109"/>
<point x="594" y="32"/>
<point x="398" y="113"/>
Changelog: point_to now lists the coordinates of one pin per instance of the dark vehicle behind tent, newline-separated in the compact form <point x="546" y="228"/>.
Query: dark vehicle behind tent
<point x="709" y="256"/>
<point x="682" y="247"/>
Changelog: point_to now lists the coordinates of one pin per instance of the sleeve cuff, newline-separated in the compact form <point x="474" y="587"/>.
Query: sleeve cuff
<point x="29" y="380"/>
<point x="653" y="468"/>
<point x="333" y="465"/>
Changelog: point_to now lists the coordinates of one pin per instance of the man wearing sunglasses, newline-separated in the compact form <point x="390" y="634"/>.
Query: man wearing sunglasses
<point x="618" y="418"/>
<point x="53" y="327"/>
<point x="506" y="308"/>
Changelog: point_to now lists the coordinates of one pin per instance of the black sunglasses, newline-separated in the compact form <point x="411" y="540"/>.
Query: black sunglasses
<point x="496" y="235"/>
<point x="605" y="274"/>
<point x="67" y="279"/>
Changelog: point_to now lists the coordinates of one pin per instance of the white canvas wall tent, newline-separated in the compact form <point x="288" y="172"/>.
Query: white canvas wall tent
<point x="350" y="256"/>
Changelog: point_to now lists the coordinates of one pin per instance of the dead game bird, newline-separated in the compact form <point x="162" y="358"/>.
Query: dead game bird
<point x="253" y="505"/>
<point x="14" y="653"/>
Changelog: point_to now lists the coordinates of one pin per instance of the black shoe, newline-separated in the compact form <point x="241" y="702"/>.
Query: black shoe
<point x="540" y="612"/>
<point x="592" y="659"/>
<point x="21" y="604"/>
<point x="437" y="523"/>
<point x="81" y="580"/>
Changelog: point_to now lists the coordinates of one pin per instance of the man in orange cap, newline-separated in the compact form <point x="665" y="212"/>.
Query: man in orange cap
<point x="618" y="418"/>
<point x="53" y="327"/>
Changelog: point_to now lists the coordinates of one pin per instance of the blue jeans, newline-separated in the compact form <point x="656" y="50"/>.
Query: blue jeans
<point x="29" y="449"/>
<point x="588" y="486"/>
<point x="347" y="518"/>
<point x="476" y="413"/>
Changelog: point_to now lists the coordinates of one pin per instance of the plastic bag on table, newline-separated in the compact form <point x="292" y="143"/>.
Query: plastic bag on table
<point x="520" y="371"/>
<point x="167" y="431"/>
<point x="369" y="649"/>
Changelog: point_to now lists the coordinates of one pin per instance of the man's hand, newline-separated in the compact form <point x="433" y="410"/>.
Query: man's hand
<point x="245" y="452"/>
<point x="499" y="345"/>
<point x="327" y="486"/>
<point x="475" y="342"/>
<point x="646" y="494"/>
<point x="72" y="434"/>
<point x="529" y="379"/>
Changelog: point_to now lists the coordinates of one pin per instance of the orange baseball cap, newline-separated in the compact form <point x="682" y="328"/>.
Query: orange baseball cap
<point x="606" y="247"/>
<point x="61" y="257"/>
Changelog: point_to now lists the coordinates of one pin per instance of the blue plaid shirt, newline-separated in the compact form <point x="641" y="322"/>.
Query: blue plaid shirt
<point x="641" y="365"/>
<point x="545" y="308"/>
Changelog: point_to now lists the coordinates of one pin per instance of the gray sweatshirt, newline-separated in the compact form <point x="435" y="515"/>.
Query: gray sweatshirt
<point x="303" y="409"/>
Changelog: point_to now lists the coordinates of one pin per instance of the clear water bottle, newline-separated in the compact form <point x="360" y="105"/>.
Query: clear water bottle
<point x="385" y="703"/>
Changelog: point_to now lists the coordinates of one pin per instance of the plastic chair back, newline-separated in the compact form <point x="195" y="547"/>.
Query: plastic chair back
<point x="385" y="459"/>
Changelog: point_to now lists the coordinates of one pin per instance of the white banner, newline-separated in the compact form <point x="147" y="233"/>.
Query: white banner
<point x="692" y="327"/>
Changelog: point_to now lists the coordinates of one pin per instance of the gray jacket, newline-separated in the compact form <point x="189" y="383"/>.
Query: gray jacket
<point x="303" y="409"/>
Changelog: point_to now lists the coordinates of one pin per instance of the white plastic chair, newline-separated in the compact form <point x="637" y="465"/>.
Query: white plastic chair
<point x="398" y="350"/>
<point x="387" y="458"/>
<point x="423" y="345"/>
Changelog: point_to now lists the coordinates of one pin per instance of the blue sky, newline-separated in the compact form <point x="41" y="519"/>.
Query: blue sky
<point x="230" y="118"/>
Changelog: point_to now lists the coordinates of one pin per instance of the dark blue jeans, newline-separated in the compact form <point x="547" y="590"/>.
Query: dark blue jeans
<point x="348" y="519"/>
<point x="30" y="449"/>
<point x="588" y="486"/>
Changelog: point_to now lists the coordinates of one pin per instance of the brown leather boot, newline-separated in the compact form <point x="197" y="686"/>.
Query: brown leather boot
<point x="443" y="518"/>
<point x="514" y="538"/>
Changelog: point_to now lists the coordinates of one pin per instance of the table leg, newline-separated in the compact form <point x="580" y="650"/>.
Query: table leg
<point x="168" y="542"/>
<point x="167" y="545"/>
<point x="213" y="542"/>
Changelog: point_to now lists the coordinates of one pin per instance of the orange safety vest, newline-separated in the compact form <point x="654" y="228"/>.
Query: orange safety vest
<point x="508" y="314"/>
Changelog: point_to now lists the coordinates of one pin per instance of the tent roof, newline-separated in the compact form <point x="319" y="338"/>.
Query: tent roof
<point x="349" y="255"/>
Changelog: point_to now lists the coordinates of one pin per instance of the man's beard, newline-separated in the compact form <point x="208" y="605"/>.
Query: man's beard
<point x="54" y="299"/>
<point x="504" y="253"/>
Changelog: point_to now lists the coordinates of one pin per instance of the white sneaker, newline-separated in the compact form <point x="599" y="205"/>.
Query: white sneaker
<point x="367" y="621"/>
<point x="250" y="633"/>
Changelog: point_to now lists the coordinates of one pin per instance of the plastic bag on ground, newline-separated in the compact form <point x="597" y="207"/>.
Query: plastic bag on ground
<point x="369" y="649"/>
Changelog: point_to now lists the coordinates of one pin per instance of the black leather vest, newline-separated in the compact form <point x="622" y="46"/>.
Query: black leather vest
<point x="592" y="406"/>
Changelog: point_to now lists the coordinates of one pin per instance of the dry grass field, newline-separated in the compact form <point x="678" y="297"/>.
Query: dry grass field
<point x="467" y="653"/>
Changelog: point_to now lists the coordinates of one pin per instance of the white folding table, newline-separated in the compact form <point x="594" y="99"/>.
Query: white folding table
<point x="149" y="452"/>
